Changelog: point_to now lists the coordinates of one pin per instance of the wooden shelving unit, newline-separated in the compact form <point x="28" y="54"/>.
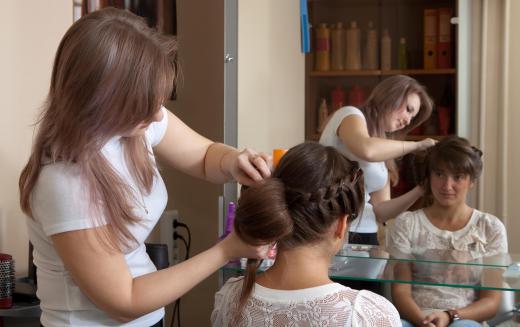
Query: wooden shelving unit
<point x="402" y="18"/>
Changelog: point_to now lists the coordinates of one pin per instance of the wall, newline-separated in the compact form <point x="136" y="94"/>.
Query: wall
<point x="30" y="33"/>
<point x="200" y="98"/>
<point x="497" y="102"/>
<point x="271" y="75"/>
<point x="270" y="106"/>
<point x="511" y="130"/>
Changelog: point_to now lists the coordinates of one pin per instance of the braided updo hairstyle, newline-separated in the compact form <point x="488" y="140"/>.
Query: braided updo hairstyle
<point x="312" y="188"/>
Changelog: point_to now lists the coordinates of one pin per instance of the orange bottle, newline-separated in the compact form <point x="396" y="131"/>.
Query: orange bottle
<point x="277" y="155"/>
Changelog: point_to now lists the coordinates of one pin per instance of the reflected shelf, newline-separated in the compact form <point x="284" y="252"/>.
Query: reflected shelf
<point x="378" y="72"/>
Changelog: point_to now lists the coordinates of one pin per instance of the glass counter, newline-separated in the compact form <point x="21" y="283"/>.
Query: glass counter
<point x="429" y="267"/>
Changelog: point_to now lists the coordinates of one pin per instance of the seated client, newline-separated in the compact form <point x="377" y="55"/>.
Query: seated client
<point x="447" y="223"/>
<point x="305" y="208"/>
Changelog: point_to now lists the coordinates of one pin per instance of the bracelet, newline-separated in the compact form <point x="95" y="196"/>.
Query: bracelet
<point x="453" y="314"/>
<point x="402" y="142"/>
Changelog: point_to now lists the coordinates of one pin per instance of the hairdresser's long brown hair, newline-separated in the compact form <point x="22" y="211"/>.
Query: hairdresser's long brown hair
<point x="312" y="187"/>
<point x="455" y="154"/>
<point x="111" y="72"/>
<point x="388" y="96"/>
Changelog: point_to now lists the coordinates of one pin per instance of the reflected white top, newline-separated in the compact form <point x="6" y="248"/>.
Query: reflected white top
<point x="375" y="173"/>
<point x="412" y="232"/>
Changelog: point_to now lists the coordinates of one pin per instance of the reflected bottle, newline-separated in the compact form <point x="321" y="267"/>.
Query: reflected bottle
<point x="386" y="51"/>
<point x="370" y="55"/>
<point x="402" y="58"/>
<point x="322" y="48"/>
<point x="323" y="115"/>
<point x="353" y="47"/>
<point x="337" y="45"/>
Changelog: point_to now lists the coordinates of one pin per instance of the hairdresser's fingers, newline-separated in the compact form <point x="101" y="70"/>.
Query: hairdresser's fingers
<point x="427" y="143"/>
<point x="234" y="247"/>
<point x="263" y="163"/>
<point x="246" y="171"/>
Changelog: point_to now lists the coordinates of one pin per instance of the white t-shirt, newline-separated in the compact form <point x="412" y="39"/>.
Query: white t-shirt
<point x="375" y="173"/>
<point x="413" y="233"/>
<point x="60" y="204"/>
<point x="332" y="305"/>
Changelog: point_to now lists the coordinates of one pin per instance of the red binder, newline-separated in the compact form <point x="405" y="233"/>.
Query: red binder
<point x="444" y="43"/>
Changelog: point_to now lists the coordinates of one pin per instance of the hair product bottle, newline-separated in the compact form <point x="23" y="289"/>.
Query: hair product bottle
<point x="402" y="57"/>
<point x="277" y="156"/>
<point x="337" y="45"/>
<point x="353" y="47"/>
<point x="356" y="96"/>
<point x="322" y="60"/>
<point x="230" y="219"/>
<point x="386" y="51"/>
<point x="337" y="97"/>
<point x="323" y="115"/>
<point x="370" y="55"/>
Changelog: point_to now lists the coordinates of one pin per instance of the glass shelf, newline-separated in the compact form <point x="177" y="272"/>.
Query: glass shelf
<point x="453" y="257"/>
<point x="430" y="267"/>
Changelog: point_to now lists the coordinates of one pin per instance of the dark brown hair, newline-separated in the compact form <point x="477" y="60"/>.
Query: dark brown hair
<point x="111" y="73"/>
<point x="455" y="154"/>
<point x="312" y="187"/>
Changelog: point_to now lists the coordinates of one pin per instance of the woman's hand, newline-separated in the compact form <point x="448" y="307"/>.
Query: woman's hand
<point x="425" y="144"/>
<point x="437" y="319"/>
<point x="248" y="166"/>
<point x="234" y="247"/>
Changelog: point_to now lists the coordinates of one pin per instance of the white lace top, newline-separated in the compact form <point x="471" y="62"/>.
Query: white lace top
<point x="412" y="232"/>
<point x="331" y="305"/>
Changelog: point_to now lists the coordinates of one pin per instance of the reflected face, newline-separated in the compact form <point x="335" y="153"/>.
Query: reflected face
<point x="140" y="129"/>
<point x="403" y="116"/>
<point x="448" y="188"/>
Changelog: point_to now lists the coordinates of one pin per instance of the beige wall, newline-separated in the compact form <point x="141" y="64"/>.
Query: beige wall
<point x="512" y="131"/>
<point x="29" y="35"/>
<point x="271" y="72"/>
<point x="498" y="114"/>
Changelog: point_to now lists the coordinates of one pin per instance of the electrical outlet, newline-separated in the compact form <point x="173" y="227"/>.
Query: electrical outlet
<point x="166" y="224"/>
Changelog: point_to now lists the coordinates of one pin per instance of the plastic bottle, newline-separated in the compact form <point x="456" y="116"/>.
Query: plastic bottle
<point x="323" y="115"/>
<point x="445" y="111"/>
<point x="337" y="47"/>
<point x="322" y="62"/>
<point x="277" y="156"/>
<point x="402" y="57"/>
<point x="370" y="55"/>
<point x="356" y="96"/>
<point x="338" y="98"/>
<point x="230" y="219"/>
<point x="386" y="51"/>
<point x="353" y="47"/>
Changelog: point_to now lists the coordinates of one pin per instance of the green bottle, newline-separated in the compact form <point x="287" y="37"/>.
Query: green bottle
<point x="401" y="54"/>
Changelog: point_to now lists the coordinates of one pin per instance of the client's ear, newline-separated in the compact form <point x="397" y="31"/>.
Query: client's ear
<point x="341" y="227"/>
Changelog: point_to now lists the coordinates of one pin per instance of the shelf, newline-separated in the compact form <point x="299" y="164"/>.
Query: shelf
<point x="377" y="72"/>
<point x="316" y="137"/>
